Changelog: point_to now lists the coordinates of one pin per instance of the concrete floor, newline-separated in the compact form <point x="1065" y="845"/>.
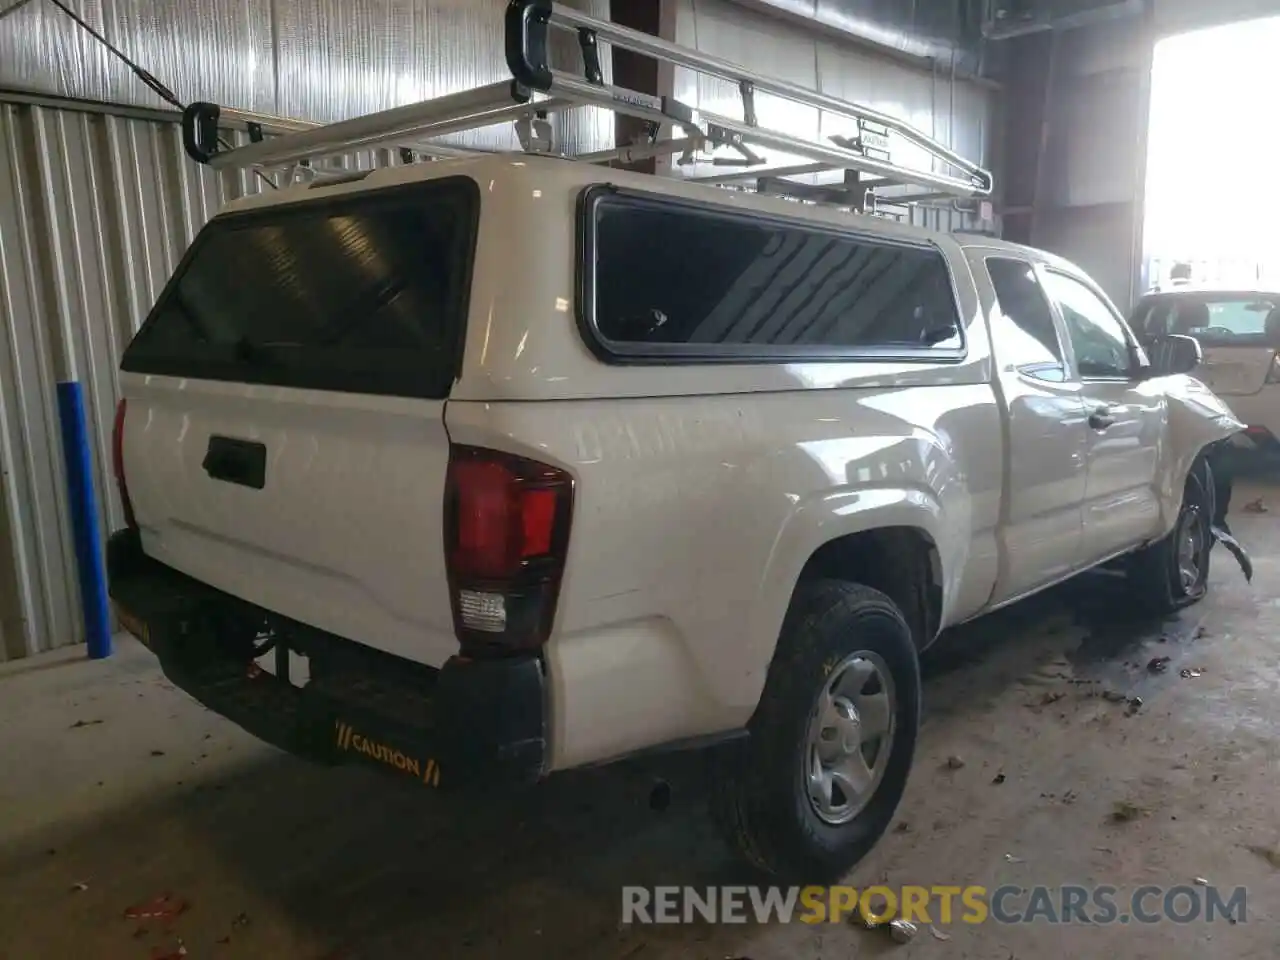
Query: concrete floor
<point x="116" y="789"/>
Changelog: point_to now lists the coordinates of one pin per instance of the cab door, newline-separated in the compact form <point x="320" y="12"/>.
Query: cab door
<point x="1041" y="523"/>
<point x="1125" y="419"/>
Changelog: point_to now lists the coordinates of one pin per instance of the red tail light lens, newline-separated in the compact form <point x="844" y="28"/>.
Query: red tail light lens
<point x="506" y="534"/>
<point x="117" y="462"/>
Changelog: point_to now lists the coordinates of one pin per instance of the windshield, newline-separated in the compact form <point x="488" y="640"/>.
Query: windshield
<point x="363" y="293"/>
<point x="1213" y="319"/>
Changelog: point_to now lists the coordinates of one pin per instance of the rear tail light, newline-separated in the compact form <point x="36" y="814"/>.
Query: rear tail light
<point x="1273" y="371"/>
<point x="117" y="463"/>
<point x="506" y="528"/>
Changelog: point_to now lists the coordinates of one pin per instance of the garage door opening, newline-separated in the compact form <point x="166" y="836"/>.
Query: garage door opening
<point x="1212" y="150"/>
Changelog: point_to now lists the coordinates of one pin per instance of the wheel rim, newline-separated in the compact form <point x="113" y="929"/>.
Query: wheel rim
<point x="1191" y="549"/>
<point x="850" y="736"/>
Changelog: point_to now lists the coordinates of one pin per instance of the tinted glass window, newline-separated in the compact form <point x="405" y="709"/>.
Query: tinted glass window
<point x="1030" y="339"/>
<point x="717" y="284"/>
<point x="1097" y="336"/>
<point x="1213" y="319"/>
<point x="365" y="294"/>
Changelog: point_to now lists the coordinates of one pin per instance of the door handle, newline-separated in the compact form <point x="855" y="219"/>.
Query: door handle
<point x="1101" y="418"/>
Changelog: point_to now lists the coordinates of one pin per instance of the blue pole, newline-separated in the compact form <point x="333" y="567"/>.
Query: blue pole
<point x="85" y="529"/>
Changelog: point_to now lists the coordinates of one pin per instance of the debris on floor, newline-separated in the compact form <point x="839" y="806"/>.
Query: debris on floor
<point x="998" y="778"/>
<point x="902" y="826"/>
<point x="84" y="723"/>
<point x="1255" y="506"/>
<point x="1269" y="854"/>
<point x="938" y="934"/>
<point x="157" y="753"/>
<point x="1125" y="812"/>
<point x="80" y="887"/>
<point x="902" y="931"/>
<point x="1048" y="697"/>
<point x="1190" y="673"/>
<point x="1135" y="704"/>
<point x="954" y="762"/>
<point x="1201" y="882"/>
<point x="1158" y="664"/>
<point x="163" y="907"/>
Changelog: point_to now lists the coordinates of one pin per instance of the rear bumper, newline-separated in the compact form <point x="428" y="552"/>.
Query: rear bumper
<point x="467" y="722"/>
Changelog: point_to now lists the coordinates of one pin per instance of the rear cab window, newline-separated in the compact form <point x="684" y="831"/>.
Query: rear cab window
<point x="667" y="280"/>
<point x="363" y="293"/>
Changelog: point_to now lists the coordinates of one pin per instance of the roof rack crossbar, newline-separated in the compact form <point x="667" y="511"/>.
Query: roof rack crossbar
<point x="538" y="90"/>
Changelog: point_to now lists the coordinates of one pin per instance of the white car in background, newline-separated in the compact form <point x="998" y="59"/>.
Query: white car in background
<point x="1239" y="332"/>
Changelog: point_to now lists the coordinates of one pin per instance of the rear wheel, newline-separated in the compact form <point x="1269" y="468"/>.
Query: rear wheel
<point x="1174" y="572"/>
<point x="815" y="785"/>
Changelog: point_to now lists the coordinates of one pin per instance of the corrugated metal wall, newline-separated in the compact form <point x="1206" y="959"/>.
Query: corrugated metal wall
<point x="95" y="210"/>
<point x="321" y="60"/>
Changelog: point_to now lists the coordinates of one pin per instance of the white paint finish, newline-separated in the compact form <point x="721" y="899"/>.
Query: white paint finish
<point x="694" y="518"/>
<point x="1234" y="372"/>
<point x="1261" y="409"/>
<point x="1120" y="506"/>
<point x="623" y="688"/>
<point x="1041" y="523"/>
<point x="700" y="491"/>
<point x="346" y="534"/>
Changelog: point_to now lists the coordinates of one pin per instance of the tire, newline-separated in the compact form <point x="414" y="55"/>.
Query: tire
<point x="836" y="636"/>
<point x="1173" y="572"/>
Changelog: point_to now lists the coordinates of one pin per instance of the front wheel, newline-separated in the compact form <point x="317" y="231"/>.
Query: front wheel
<point x="1173" y="572"/>
<point x="816" y="783"/>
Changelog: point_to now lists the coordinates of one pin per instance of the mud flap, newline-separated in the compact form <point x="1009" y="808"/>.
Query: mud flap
<point x="1217" y="459"/>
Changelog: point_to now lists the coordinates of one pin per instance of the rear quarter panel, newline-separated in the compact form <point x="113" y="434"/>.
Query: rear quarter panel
<point x="703" y="489"/>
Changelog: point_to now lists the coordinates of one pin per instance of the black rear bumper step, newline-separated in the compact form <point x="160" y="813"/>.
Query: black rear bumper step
<point x="468" y="721"/>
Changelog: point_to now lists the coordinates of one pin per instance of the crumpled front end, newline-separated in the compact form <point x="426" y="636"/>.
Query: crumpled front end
<point x="1201" y="423"/>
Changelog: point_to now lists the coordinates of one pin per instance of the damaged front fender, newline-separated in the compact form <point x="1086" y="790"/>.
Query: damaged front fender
<point x="1198" y="421"/>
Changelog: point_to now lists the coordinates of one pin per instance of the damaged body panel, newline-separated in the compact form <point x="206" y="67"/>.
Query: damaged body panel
<point x="1201" y="425"/>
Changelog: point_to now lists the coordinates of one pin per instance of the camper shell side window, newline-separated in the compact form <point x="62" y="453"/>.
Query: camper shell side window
<point x="668" y="280"/>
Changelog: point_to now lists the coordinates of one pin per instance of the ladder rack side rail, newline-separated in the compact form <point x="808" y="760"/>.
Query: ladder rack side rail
<point x="230" y="118"/>
<point x="568" y="18"/>
<point x="839" y="157"/>
<point x="645" y="106"/>
<point x="437" y="128"/>
<point x="467" y="109"/>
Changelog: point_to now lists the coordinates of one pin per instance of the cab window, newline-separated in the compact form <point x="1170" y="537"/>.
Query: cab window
<point x="1097" y="335"/>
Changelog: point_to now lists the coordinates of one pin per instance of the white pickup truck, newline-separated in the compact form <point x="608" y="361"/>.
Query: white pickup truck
<point x="540" y="464"/>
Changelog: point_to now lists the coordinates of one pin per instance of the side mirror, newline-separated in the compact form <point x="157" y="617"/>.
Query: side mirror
<point x="1174" y="353"/>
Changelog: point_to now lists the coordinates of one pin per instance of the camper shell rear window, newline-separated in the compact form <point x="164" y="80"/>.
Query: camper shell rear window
<point x="361" y="293"/>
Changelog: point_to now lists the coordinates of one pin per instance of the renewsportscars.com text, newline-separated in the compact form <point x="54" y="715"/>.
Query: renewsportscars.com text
<point x="1066" y="904"/>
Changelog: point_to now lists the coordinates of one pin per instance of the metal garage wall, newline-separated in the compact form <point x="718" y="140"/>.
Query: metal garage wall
<point x="94" y="212"/>
<point x="955" y="111"/>
<point x="1096" y="159"/>
<point x="321" y="60"/>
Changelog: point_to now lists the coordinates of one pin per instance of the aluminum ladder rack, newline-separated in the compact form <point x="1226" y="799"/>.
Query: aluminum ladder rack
<point x="737" y="146"/>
